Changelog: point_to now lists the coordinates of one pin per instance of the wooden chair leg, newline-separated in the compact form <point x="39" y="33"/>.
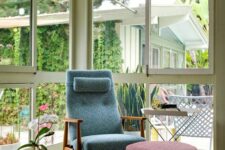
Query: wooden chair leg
<point x="65" y="138"/>
<point x="78" y="137"/>
<point x="142" y="129"/>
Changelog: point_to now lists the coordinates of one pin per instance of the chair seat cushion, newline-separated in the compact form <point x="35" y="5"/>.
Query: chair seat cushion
<point x="160" y="146"/>
<point x="108" y="141"/>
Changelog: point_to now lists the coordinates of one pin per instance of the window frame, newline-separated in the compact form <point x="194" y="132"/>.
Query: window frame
<point x="173" y="54"/>
<point x="181" y="71"/>
<point x="152" y="57"/>
<point x="173" y="76"/>
<point x="32" y="45"/>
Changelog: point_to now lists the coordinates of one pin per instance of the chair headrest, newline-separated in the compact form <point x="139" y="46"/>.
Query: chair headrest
<point x="86" y="84"/>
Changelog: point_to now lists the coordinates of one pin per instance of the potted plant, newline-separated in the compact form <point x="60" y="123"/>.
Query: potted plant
<point x="9" y="142"/>
<point x="159" y="97"/>
<point x="43" y="127"/>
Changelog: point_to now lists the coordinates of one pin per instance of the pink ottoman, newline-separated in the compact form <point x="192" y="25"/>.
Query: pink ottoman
<point x="160" y="146"/>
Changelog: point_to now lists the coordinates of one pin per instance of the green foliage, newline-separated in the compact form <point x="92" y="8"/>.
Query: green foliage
<point x="131" y="98"/>
<point x="10" y="8"/>
<point x="6" y="42"/>
<point x="44" y="132"/>
<point x="14" y="46"/>
<point x="53" y="45"/>
<point x="107" y="49"/>
<point x="52" y="56"/>
<point x="54" y="96"/>
<point x="16" y="59"/>
<point x="97" y="3"/>
<point x="52" y="6"/>
<point x="154" y="92"/>
<point x="11" y="104"/>
<point x="197" y="59"/>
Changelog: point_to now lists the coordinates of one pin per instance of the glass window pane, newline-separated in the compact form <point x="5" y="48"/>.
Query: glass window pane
<point x="53" y="35"/>
<point x="155" y="58"/>
<point x="166" y="60"/>
<point x="182" y="26"/>
<point x="173" y="60"/>
<point x="14" y="117"/>
<point x="118" y="32"/>
<point x="52" y="6"/>
<point x="196" y="100"/>
<point x="53" y="96"/>
<point x="131" y="99"/>
<point x="15" y="33"/>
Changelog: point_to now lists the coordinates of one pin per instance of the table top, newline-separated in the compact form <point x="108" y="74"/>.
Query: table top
<point x="168" y="112"/>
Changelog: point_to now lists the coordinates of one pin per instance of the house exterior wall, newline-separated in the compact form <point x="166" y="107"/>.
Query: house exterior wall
<point x="133" y="45"/>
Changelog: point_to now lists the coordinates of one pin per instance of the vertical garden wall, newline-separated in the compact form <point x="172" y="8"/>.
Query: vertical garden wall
<point x="52" y="56"/>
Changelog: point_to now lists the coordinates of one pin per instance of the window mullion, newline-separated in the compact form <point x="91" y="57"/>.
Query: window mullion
<point x="33" y="36"/>
<point x="147" y="35"/>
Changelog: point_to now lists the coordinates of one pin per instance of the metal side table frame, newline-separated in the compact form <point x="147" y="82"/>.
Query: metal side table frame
<point x="190" y="114"/>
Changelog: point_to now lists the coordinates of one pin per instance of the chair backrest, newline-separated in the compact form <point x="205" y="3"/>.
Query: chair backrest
<point x="90" y="97"/>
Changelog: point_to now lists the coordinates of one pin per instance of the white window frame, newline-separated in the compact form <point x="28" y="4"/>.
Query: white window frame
<point x="159" y="58"/>
<point x="157" y="76"/>
<point x="181" y="71"/>
<point x="172" y="52"/>
<point x="32" y="47"/>
<point x="164" y="51"/>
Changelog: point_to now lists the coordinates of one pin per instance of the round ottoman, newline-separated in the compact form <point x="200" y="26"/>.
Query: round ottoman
<point x="160" y="146"/>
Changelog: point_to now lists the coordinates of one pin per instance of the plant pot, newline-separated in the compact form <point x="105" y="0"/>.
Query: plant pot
<point x="13" y="146"/>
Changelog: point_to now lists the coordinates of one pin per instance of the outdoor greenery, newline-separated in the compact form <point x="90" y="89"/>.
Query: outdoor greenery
<point x="107" y="49"/>
<point x="12" y="7"/>
<point x="14" y="47"/>
<point x="54" y="95"/>
<point x="53" y="45"/>
<point x="13" y="105"/>
<point x="197" y="59"/>
<point x="131" y="99"/>
<point x="52" y="55"/>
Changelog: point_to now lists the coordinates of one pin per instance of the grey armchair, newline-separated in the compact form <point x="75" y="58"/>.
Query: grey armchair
<point x="93" y="119"/>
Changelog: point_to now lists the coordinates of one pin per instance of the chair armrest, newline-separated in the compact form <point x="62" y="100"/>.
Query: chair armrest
<point x="133" y="118"/>
<point x="72" y="120"/>
<point x="65" y="141"/>
<point x="141" y="119"/>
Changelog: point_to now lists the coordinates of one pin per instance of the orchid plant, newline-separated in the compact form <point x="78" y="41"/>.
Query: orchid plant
<point x="43" y="128"/>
